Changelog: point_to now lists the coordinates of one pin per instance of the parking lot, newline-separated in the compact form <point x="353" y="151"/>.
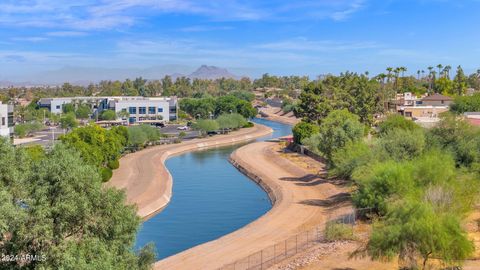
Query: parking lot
<point x="47" y="136"/>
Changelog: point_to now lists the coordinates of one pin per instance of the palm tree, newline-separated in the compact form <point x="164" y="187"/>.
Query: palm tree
<point x="447" y="71"/>
<point x="389" y="69"/>
<point x="418" y="74"/>
<point x="439" y="66"/>
<point x="403" y="70"/>
<point x="430" y="70"/>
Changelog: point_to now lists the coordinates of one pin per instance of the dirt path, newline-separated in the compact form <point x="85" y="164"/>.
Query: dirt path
<point x="300" y="198"/>
<point x="276" y="114"/>
<point x="146" y="181"/>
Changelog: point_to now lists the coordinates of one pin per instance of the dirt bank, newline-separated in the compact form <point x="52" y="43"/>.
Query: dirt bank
<point x="299" y="198"/>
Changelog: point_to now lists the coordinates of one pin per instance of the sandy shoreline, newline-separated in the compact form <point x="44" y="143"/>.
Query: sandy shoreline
<point x="292" y="212"/>
<point x="147" y="182"/>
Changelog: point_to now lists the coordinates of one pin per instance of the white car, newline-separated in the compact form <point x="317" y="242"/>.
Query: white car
<point x="182" y="128"/>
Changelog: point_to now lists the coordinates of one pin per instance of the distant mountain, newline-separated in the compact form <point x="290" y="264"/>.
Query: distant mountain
<point x="211" y="73"/>
<point x="86" y="75"/>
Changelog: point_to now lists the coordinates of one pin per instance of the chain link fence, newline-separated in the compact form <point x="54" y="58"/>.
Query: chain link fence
<point x="278" y="252"/>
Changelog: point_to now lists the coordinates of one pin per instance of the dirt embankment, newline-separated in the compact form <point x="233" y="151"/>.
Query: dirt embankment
<point x="302" y="199"/>
<point x="276" y="114"/>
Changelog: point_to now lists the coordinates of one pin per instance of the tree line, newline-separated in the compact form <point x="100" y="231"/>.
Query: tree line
<point x="56" y="211"/>
<point x="419" y="184"/>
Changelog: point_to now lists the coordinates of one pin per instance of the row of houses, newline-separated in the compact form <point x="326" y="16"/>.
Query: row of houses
<point x="425" y="110"/>
<point x="134" y="108"/>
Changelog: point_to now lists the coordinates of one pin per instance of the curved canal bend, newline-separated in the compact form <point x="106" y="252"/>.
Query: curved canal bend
<point x="210" y="199"/>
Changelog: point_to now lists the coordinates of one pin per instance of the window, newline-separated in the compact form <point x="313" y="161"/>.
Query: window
<point x="443" y="101"/>
<point x="160" y="109"/>
<point x="132" y="119"/>
<point x="132" y="110"/>
<point x="142" y="110"/>
<point x="3" y="121"/>
<point x="151" y="110"/>
<point x="58" y="107"/>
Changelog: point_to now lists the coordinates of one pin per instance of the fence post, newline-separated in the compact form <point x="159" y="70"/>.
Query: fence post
<point x="308" y="244"/>
<point x="296" y="244"/>
<point x="261" y="259"/>
<point x="274" y="253"/>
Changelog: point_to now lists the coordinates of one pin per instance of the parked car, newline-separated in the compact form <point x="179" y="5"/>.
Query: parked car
<point x="182" y="128"/>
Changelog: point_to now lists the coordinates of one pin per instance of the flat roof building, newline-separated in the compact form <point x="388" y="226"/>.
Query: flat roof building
<point x="6" y="120"/>
<point x="136" y="108"/>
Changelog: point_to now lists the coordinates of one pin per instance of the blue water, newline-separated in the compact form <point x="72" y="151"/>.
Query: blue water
<point x="210" y="199"/>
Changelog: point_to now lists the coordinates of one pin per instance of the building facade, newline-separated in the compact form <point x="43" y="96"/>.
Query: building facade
<point x="135" y="108"/>
<point x="6" y="120"/>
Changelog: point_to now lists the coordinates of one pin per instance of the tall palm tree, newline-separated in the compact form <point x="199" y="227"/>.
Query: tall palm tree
<point x="389" y="74"/>
<point x="439" y="66"/>
<point x="447" y="71"/>
<point x="418" y="74"/>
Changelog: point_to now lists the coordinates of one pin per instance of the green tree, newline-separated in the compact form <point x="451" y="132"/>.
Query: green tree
<point x="304" y="130"/>
<point x="460" y="82"/>
<point x="395" y="121"/>
<point x="415" y="230"/>
<point x="65" y="215"/>
<point x="108" y="115"/>
<point x="337" y="129"/>
<point x="206" y="126"/>
<point x="68" y="121"/>
<point x="400" y="144"/>
<point x="83" y="111"/>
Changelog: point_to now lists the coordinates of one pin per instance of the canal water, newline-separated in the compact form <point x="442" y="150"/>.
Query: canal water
<point x="210" y="198"/>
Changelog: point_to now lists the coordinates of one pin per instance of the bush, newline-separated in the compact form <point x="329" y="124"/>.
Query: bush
<point x="400" y="144"/>
<point x="113" y="164"/>
<point x="248" y="125"/>
<point x="23" y="130"/>
<point x="106" y="174"/>
<point x="138" y="136"/>
<point x="378" y="182"/>
<point x="346" y="159"/>
<point x="108" y="115"/>
<point x="396" y="121"/>
<point x="304" y="130"/>
<point x="337" y="129"/>
<point x="206" y="125"/>
<point x="231" y="121"/>
<point x="338" y="231"/>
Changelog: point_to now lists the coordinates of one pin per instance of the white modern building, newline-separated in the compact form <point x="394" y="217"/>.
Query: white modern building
<point x="137" y="108"/>
<point x="6" y="120"/>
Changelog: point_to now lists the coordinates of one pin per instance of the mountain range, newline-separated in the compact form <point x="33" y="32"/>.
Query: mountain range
<point x="84" y="76"/>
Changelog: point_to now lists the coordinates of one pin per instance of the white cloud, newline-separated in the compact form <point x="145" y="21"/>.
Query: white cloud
<point x="111" y="14"/>
<point x="66" y="34"/>
<point x="29" y="39"/>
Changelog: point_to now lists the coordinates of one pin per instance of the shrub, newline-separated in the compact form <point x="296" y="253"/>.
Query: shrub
<point x="349" y="157"/>
<point x="338" y="231"/>
<point x="379" y="182"/>
<point x="396" y="121"/>
<point x="400" y="144"/>
<point x="304" y="130"/>
<point x="108" y="115"/>
<point x="106" y="174"/>
<point x="337" y="129"/>
<point x="248" y="125"/>
<point x="206" y="125"/>
<point x="23" y="130"/>
<point x="113" y="164"/>
<point x="231" y="121"/>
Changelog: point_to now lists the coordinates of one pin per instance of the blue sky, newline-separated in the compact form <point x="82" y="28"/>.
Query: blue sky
<point x="249" y="37"/>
